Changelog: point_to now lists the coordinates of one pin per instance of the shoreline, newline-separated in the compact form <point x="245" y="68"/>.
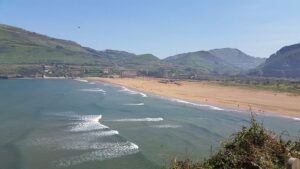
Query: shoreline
<point x="214" y="95"/>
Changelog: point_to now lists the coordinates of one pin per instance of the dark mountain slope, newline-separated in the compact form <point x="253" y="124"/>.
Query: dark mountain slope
<point x="284" y="63"/>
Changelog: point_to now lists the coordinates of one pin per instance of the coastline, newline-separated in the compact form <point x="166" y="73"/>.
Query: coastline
<point x="212" y="94"/>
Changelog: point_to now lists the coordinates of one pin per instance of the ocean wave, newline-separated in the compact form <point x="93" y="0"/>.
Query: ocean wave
<point x="82" y="145"/>
<point x="143" y="94"/>
<point x="105" y="151"/>
<point x="81" y="80"/>
<point x="63" y="141"/>
<point x="85" y="137"/>
<point x="124" y="89"/>
<point x="148" y="119"/>
<point x="277" y="115"/>
<point x="105" y="133"/>
<point x="295" y="118"/>
<point x="92" y="83"/>
<point x="199" y="105"/>
<point x="134" y="104"/>
<point x="166" y="126"/>
<point x="88" y="123"/>
<point x="93" y="90"/>
<point x="82" y="122"/>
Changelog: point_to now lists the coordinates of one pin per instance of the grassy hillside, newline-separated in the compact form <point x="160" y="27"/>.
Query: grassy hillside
<point x="18" y="46"/>
<point x="24" y="53"/>
<point x="204" y="62"/>
<point x="237" y="58"/>
<point x="284" y="63"/>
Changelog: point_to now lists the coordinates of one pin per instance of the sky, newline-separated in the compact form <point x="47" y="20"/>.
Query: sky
<point x="162" y="27"/>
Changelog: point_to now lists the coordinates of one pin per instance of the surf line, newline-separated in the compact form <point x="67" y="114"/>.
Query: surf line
<point x="93" y="90"/>
<point x="124" y="89"/>
<point x="147" y="119"/>
<point x="81" y="80"/>
<point x="134" y="104"/>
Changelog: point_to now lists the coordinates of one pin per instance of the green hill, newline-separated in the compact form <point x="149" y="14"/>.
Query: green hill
<point x="203" y="62"/>
<point x="24" y="53"/>
<point x="284" y="63"/>
<point x="28" y="53"/>
<point x="237" y="58"/>
<point x="19" y="46"/>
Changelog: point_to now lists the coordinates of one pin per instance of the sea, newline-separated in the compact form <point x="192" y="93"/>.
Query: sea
<point x="80" y="124"/>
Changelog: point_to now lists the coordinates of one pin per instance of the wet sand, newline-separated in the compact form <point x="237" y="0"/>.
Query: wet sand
<point x="215" y="94"/>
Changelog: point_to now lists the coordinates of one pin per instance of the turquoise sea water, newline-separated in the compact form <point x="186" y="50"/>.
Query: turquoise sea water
<point x="51" y="124"/>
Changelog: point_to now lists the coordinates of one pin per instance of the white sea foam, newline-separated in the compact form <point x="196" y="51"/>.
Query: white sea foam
<point x="82" y="122"/>
<point x="62" y="142"/>
<point x="134" y="104"/>
<point x="105" y="151"/>
<point x="81" y="80"/>
<point x="166" y="126"/>
<point x="88" y="141"/>
<point x="93" y="90"/>
<point x="82" y="145"/>
<point x="91" y="135"/>
<point x="93" y="118"/>
<point x="283" y="116"/>
<point x="143" y="94"/>
<point x="124" y="89"/>
<point x="148" y="119"/>
<point x="88" y="123"/>
<point x="199" y="105"/>
<point x="92" y="83"/>
<point x="215" y="108"/>
<point x="297" y="119"/>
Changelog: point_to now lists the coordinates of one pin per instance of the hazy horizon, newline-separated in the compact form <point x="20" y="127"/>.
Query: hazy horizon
<point x="161" y="28"/>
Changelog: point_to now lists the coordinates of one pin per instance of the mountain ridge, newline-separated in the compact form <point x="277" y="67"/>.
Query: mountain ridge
<point x="237" y="58"/>
<point x="25" y="51"/>
<point x="283" y="63"/>
<point x="204" y="62"/>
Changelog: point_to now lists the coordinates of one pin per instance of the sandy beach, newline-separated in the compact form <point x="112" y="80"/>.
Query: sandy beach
<point x="211" y="93"/>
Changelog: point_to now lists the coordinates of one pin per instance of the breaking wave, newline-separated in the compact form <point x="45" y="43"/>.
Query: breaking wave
<point x="124" y="89"/>
<point x="105" y="151"/>
<point x="93" y="90"/>
<point x="295" y="118"/>
<point x="88" y="123"/>
<point x="166" y="126"/>
<point x="199" y="105"/>
<point x="63" y="142"/>
<point x="81" y="80"/>
<point x="140" y="120"/>
<point x="134" y="104"/>
<point x="87" y="136"/>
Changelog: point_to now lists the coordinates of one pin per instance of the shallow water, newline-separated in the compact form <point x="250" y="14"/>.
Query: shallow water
<point x="53" y="124"/>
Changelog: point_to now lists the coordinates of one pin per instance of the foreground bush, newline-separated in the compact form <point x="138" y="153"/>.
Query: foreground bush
<point x="251" y="148"/>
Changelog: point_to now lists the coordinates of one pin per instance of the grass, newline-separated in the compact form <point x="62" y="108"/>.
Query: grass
<point x="291" y="86"/>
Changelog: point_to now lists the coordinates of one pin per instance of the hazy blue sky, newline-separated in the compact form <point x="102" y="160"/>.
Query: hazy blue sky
<point x="162" y="27"/>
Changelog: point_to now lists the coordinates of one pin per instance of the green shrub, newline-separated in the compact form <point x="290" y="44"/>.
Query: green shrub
<point x="253" y="147"/>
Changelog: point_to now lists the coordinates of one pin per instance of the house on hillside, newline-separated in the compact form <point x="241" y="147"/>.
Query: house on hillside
<point x="46" y="68"/>
<point x="107" y="70"/>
